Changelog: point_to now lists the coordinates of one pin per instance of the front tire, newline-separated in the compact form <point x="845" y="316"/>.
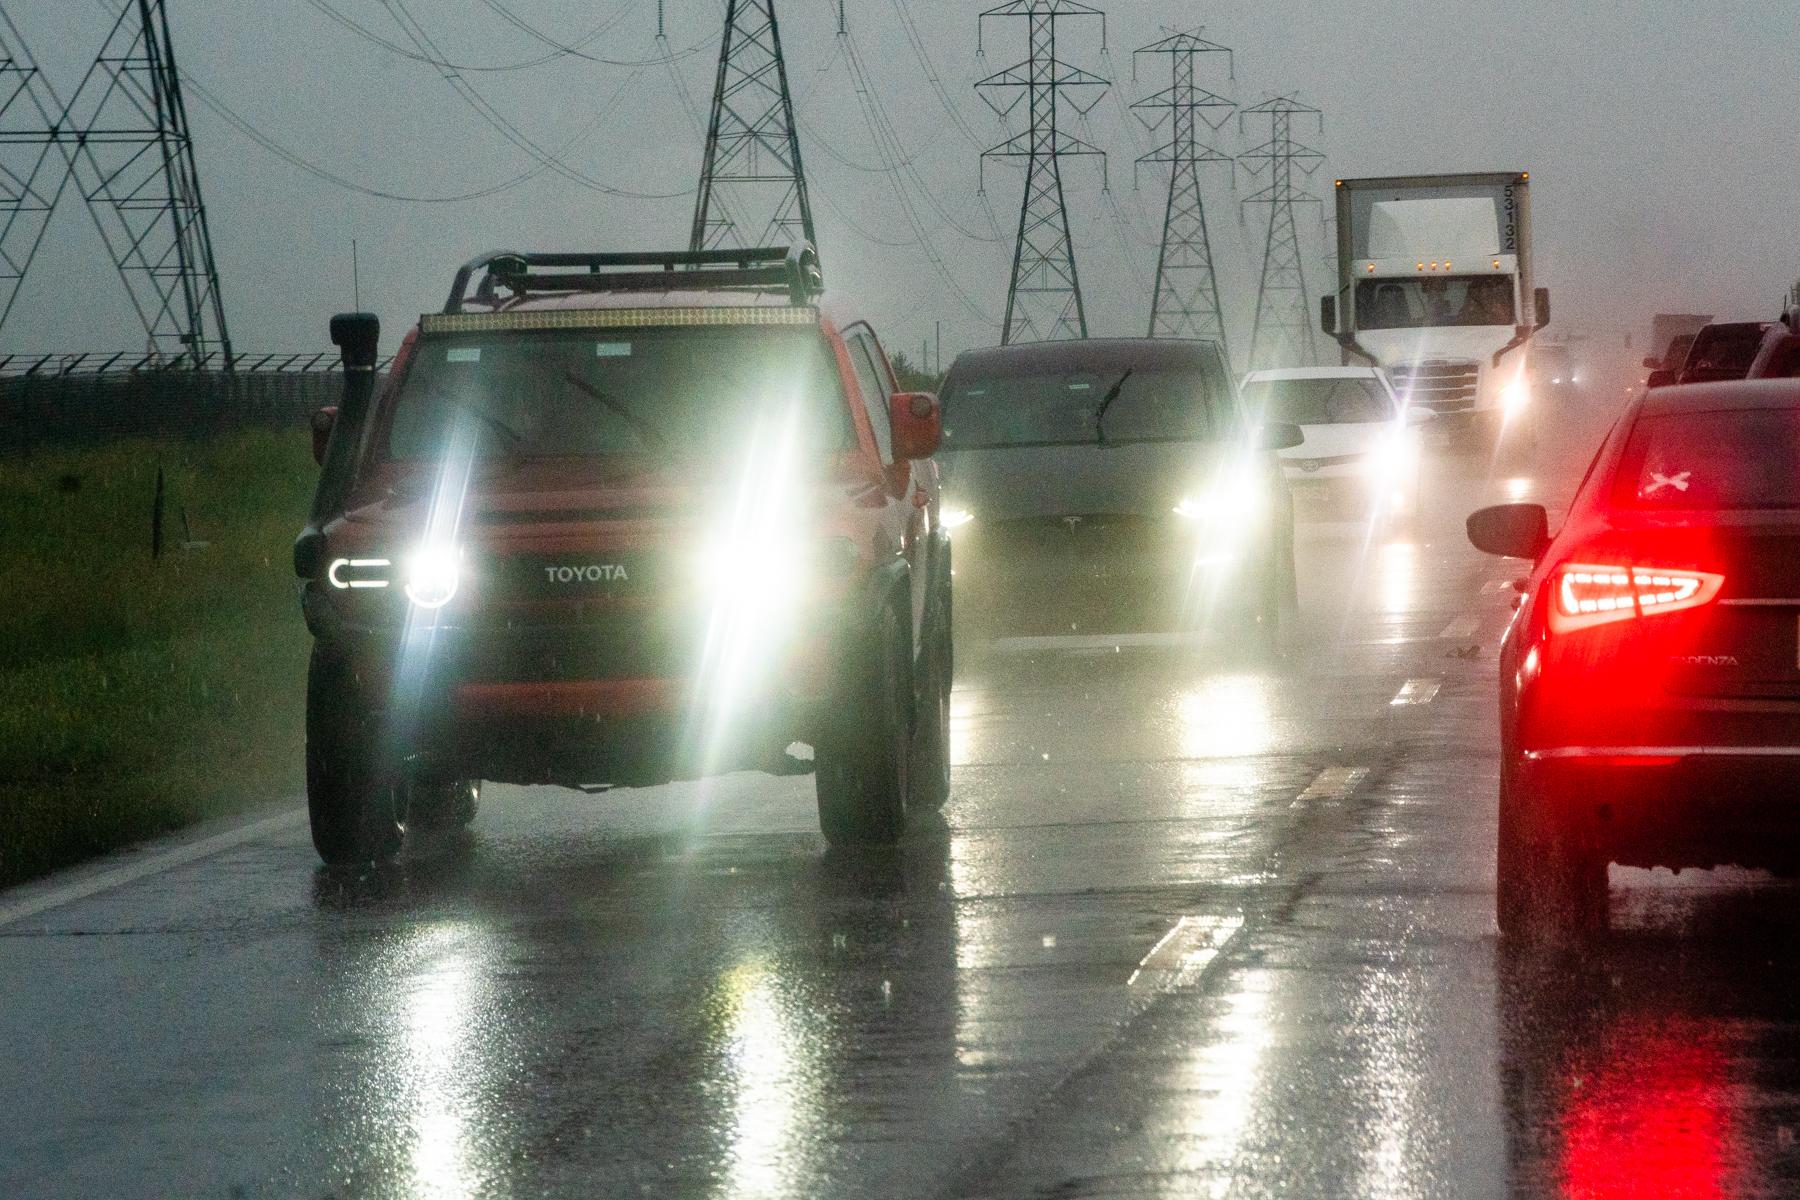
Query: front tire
<point x="351" y="793"/>
<point x="931" y="766"/>
<point x="862" y="759"/>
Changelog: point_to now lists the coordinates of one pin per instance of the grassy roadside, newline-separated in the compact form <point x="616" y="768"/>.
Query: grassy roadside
<point x="138" y="696"/>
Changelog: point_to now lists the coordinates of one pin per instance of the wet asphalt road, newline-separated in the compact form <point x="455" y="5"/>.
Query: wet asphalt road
<point x="1188" y="926"/>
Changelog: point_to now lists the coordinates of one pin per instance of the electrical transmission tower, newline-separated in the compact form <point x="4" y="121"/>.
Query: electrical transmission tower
<point x="28" y="193"/>
<point x="1186" y="300"/>
<point x="1283" y="333"/>
<point x="752" y="150"/>
<point x="1044" y="301"/>
<point x="123" y="140"/>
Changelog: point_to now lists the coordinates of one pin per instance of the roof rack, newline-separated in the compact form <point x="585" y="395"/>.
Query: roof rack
<point x="793" y="269"/>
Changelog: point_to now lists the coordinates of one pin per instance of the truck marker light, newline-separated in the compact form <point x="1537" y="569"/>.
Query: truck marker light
<point x="335" y="574"/>
<point x="1496" y="264"/>
<point x="1589" y="595"/>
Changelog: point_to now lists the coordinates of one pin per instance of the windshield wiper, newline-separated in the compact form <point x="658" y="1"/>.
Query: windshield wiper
<point x="650" y="432"/>
<point x="1112" y="393"/>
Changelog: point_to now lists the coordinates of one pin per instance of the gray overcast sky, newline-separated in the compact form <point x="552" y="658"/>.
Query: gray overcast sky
<point x="1660" y="137"/>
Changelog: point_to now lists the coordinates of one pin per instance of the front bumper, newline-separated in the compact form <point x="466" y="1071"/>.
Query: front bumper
<point x="621" y="702"/>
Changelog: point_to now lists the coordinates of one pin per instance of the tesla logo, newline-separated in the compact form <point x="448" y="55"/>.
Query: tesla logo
<point x="1309" y="465"/>
<point x="1705" y="660"/>
<point x="596" y="573"/>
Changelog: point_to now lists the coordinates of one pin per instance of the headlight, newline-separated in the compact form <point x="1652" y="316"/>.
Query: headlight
<point x="1514" y="397"/>
<point x="1234" y="501"/>
<point x="433" y="573"/>
<point x="953" y="517"/>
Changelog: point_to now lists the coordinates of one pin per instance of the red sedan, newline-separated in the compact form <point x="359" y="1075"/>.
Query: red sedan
<point x="1650" y="682"/>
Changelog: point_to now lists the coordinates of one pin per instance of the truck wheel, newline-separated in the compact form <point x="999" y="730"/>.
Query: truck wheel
<point x="931" y="767"/>
<point x="861" y="761"/>
<point x="351" y="796"/>
<point x="440" y="804"/>
<point x="1547" y="883"/>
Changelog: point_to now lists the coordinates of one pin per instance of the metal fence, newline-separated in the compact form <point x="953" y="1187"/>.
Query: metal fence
<point x="47" y="408"/>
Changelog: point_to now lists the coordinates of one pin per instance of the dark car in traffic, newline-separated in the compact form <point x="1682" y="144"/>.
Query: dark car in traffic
<point x="1650" y="681"/>
<point x="1723" y="351"/>
<point x="1113" y="482"/>
<point x="616" y="519"/>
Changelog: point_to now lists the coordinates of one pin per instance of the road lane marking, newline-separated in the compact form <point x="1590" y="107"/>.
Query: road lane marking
<point x="1462" y="627"/>
<point x="1494" y="587"/>
<point x="1186" y="950"/>
<point x="1333" y="783"/>
<point x="1416" y="691"/>
<point x="1099" y="641"/>
<point x="155" y="864"/>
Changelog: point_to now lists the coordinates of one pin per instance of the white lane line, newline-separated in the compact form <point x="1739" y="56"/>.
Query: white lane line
<point x="1417" y="691"/>
<point x="1494" y="587"/>
<point x="1462" y="627"/>
<point x="1099" y="641"/>
<point x="1333" y="783"/>
<point x="155" y="864"/>
<point x="1186" y="950"/>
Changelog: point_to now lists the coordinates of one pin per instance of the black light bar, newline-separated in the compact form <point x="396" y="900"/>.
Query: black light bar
<point x="793" y="269"/>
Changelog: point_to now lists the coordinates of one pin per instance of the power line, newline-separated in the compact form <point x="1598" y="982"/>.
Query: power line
<point x="416" y="33"/>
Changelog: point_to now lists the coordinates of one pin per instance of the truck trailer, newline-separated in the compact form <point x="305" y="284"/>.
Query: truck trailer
<point x="1435" y="286"/>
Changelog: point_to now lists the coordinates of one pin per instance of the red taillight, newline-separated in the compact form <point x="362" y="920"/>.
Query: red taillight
<point x="1586" y="594"/>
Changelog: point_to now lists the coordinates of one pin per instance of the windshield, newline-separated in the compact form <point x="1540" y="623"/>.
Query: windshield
<point x="1318" y="401"/>
<point x="1437" y="301"/>
<point x="683" y="393"/>
<point x="1743" y="458"/>
<point x="1060" y="409"/>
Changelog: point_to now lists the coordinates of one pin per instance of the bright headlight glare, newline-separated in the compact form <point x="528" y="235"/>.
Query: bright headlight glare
<point x="952" y="516"/>
<point x="433" y="573"/>
<point x="1514" y="397"/>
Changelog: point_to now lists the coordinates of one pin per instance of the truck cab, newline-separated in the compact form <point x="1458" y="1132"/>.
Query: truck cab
<point x="1435" y="288"/>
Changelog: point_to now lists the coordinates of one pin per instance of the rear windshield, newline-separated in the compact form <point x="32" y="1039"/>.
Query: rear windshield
<point x="1741" y="458"/>
<point x="1151" y="405"/>
<point x="1318" y="401"/>
<point x="683" y="393"/>
<point x="1722" y="352"/>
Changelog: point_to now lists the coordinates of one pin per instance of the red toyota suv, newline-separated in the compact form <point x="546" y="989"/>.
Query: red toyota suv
<point x="1650" y="682"/>
<point x="618" y="519"/>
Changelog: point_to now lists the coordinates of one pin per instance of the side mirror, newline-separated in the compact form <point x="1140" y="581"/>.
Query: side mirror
<point x="1279" y="435"/>
<point x="1652" y="363"/>
<point x="1328" y="315"/>
<point x="917" y="429"/>
<point x="1417" y="415"/>
<point x="1662" y="377"/>
<point x="324" y="420"/>
<point x="1511" y="530"/>
<point x="1541" y="301"/>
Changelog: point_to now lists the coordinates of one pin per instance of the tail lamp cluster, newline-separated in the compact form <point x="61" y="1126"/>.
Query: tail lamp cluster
<point x="1586" y="595"/>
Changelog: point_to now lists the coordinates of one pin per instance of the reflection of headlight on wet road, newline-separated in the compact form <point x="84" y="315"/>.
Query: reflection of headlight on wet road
<point x="433" y="573"/>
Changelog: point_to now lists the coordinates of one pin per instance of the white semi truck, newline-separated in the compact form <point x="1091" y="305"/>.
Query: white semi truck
<point x="1435" y="287"/>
